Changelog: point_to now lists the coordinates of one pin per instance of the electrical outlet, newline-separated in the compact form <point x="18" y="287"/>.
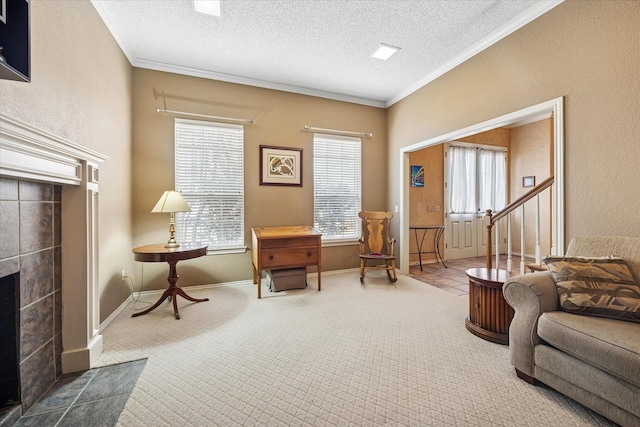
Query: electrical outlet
<point x="123" y="275"/>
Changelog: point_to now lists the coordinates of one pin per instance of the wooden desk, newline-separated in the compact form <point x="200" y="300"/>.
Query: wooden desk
<point x="489" y="314"/>
<point x="158" y="253"/>
<point x="437" y="236"/>
<point x="277" y="248"/>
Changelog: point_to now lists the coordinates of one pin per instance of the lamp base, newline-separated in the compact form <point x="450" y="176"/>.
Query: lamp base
<point x="172" y="245"/>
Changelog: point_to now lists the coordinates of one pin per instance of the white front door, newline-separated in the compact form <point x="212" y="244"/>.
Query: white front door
<point x="466" y="190"/>
<point x="461" y="236"/>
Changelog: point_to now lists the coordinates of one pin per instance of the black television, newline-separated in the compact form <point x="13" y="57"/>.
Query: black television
<point x="15" y="61"/>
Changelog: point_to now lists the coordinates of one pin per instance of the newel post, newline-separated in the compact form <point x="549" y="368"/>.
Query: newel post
<point x="486" y="221"/>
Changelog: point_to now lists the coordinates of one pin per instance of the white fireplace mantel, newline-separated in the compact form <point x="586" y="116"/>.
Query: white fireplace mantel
<point x="30" y="153"/>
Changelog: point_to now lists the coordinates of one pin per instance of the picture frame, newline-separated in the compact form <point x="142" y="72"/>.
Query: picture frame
<point x="528" y="181"/>
<point x="417" y="176"/>
<point x="280" y="166"/>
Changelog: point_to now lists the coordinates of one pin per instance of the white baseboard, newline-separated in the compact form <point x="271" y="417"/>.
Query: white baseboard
<point x="135" y="295"/>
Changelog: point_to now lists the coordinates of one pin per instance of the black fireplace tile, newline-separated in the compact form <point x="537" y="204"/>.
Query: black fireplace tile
<point x="104" y="412"/>
<point x="63" y="393"/>
<point x="36" y="326"/>
<point x="57" y="193"/>
<point x="9" y="224"/>
<point x="30" y="190"/>
<point x="36" y="276"/>
<point x="9" y="266"/>
<point x="57" y="311"/>
<point x="36" y="226"/>
<point x="8" y="189"/>
<point x="57" y="224"/>
<point x="37" y="375"/>
<point x="57" y="268"/>
<point x="45" y="419"/>
<point x="57" y="343"/>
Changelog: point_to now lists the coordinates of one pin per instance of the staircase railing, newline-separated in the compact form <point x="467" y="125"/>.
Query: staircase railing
<point x="490" y="219"/>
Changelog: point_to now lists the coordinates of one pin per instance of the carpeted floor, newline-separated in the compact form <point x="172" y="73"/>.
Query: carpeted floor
<point x="351" y="355"/>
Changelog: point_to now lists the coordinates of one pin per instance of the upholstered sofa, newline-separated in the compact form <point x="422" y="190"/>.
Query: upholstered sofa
<point x="594" y="360"/>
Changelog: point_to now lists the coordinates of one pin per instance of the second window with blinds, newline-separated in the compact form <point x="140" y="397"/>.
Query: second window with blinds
<point x="210" y="174"/>
<point x="337" y="181"/>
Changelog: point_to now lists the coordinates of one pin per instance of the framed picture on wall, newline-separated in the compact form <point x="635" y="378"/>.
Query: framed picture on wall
<point x="280" y="166"/>
<point x="417" y="176"/>
<point x="528" y="181"/>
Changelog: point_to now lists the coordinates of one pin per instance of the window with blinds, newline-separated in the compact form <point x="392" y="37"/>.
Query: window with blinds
<point x="210" y="174"/>
<point x="337" y="186"/>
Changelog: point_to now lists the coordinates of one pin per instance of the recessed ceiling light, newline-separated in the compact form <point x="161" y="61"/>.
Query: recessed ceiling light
<point x="209" y="7"/>
<point x="384" y="51"/>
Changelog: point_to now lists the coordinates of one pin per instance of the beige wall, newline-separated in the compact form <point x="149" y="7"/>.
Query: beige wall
<point x="426" y="203"/>
<point x="587" y="52"/>
<point x="81" y="90"/>
<point x="280" y="117"/>
<point x="531" y="149"/>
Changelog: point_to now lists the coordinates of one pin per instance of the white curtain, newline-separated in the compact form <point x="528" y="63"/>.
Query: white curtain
<point x="462" y="180"/>
<point x="492" y="170"/>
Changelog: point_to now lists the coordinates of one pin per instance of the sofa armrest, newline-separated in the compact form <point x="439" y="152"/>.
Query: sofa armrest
<point x="530" y="295"/>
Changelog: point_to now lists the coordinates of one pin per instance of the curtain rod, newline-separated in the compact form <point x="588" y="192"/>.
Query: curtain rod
<point x="340" y="132"/>
<point x="160" y="110"/>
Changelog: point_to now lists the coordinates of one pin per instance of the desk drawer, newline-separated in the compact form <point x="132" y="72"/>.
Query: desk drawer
<point x="289" y="257"/>
<point x="289" y="242"/>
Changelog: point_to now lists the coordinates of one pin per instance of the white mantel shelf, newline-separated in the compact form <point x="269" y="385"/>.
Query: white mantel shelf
<point x="31" y="153"/>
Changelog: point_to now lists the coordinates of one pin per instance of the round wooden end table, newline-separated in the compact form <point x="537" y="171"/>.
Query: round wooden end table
<point x="489" y="314"/>
<point x="159" y="253"/>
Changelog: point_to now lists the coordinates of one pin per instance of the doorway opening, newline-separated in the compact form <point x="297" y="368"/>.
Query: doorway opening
<point x="552" y="108"/>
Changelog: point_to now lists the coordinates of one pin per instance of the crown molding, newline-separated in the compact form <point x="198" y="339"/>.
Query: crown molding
<point x="229" y="78"/>
<point x="539" y="9"/>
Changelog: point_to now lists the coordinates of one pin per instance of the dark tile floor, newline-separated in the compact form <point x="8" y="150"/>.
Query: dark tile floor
<point x="453" y="278"/>
<point x="91" y="398"/>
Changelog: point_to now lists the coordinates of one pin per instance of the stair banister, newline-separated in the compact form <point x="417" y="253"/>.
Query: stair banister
<point x="490" y="219"/>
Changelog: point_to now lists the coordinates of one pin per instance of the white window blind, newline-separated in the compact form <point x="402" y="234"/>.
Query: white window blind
<point x="210" y="175"/>
<point x="337" y="186"/>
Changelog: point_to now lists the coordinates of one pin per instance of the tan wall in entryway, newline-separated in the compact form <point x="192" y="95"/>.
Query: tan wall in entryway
<point x="531" y="146"/>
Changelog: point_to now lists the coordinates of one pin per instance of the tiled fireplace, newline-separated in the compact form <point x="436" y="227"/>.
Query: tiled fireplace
<point x="30" y="262"/>
<point x="49" y="252"/>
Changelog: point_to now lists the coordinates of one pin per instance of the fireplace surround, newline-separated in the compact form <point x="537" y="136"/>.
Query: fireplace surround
<point x="49" y="203"/>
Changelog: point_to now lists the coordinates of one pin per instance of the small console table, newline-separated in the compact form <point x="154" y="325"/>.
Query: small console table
<point x="489" y="314"/>
<point x="277" y="248"/>
<point x="438" y="230"/>
<point x="158" y="253"/>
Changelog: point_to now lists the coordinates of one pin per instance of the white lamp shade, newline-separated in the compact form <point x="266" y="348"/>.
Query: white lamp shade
<point x="171" y="201"/>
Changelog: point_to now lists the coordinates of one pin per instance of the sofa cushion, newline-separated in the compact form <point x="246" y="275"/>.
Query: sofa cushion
<point x="609" y="345"/>
<point x="598" y="286"/>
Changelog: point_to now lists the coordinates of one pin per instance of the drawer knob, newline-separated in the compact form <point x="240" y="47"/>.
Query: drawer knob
<point x="270" y="256"/>
<point x="308" y="254"/>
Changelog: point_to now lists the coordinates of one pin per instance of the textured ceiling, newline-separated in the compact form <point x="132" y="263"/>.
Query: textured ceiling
<point x="317" y="47"/>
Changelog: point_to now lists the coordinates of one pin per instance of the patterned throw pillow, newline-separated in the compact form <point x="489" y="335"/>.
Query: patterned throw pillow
<point x="596" y="286"/>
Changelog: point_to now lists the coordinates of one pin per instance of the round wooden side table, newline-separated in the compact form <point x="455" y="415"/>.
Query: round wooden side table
<point x="159" y="253"/>
<point x="489" y="314"/>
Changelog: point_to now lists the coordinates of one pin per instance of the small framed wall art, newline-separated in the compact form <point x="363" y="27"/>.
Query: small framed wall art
<point x="417" y="176"/>
<point x="280" y="166"/>
<point x="528" y="181"/>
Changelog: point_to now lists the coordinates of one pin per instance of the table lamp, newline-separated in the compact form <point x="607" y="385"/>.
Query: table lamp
<point x="171" y="202"/>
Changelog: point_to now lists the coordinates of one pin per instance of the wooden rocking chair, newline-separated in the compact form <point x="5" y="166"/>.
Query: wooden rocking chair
<point x="376" y="245"/>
